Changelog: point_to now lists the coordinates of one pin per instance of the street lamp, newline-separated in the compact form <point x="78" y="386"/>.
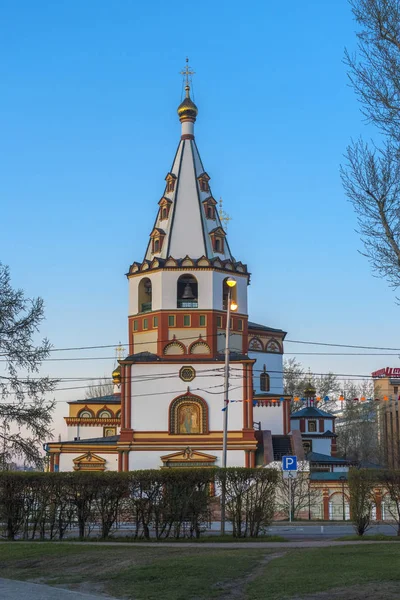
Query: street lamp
<point x="231" y="306"/>
<point x="342" y="478"/>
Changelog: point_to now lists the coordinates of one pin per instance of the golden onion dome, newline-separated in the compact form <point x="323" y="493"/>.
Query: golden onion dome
<point x="187" y="109"/>
<point x="116" y="375"/>
<point x="310" y="390"/>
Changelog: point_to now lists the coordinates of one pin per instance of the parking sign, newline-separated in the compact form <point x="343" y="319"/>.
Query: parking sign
<point x="289" y="463"/>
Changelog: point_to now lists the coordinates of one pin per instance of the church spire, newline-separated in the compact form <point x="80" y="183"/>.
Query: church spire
<point x="187" y="110"/>
<point x="188" y="222"/>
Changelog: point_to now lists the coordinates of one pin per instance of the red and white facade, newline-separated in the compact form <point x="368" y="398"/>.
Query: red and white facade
<point x="172" y="380"/>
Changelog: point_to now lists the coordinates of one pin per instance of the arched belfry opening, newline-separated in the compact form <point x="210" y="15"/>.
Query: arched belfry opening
<point x="145" y="295"/>
<point x="187" y="292"/>
<point x="225" y="293"/>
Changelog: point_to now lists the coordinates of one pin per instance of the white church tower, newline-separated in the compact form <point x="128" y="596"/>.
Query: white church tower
<point x="172" y="380"/>
<point x="170" y="403"/>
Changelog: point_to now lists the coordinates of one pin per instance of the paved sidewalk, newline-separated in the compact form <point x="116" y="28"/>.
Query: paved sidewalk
<point x="21" y="590"/>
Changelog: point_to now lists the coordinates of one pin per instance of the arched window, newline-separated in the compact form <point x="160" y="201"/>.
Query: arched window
<point x="145" y="295"/>
<point x="164" y="213"/>
<point x="105" y="414"/>
<point x="225" y="294"/>
<point x="86" y="414"/>
<point x="187" y="292"/>
<point x="118" y="414"/>
<point x="156" y="245"/>
<point x="264" y="381"/>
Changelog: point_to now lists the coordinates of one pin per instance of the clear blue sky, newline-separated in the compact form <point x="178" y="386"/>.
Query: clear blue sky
<point x="88" y="125"/>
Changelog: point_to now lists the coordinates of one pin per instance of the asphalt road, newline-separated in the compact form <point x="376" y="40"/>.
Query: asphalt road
<point x="299" y="531"/>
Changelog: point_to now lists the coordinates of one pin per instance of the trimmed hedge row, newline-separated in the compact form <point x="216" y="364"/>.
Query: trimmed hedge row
<point x="170" y="503"/>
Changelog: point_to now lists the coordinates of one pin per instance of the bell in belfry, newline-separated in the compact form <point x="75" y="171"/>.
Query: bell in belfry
<point x="187" y="292"/>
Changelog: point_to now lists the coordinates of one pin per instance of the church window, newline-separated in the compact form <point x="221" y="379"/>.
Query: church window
<point x="307" y="446"/>
<point x="156" y="247"/>
<point x="240" y="324"/>
<point x="104" y="414"/>
<point x="187" y="374"/>
<point x="188" y="415"/>
<point x="219" y="245"/>
<point x="219" y="322"/>
<point x="171" y="320"/>
<point x="202" y="320"/>
<point x="264" y="381"/>
<point x="164" y="213"/>
<point x="171" y="179"/>
<point x="145" y="295"/>
<point x="225" y="294"/>
<point x="186" y="320"/>
<point x="145" y="323"/>
<point x="155" y="321"/>
<point x="210" y="212"/>
<point x="312" y="426"/>
<point x="85" y="414"/>
<point x="187" y="292"/>
<point x="135" y="325"/>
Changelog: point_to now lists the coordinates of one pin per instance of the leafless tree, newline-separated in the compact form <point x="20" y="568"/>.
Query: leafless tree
<point x="296" y="380"/>
<point x="25" y="414"/>
<point x="104" y="387"/>
<point x="371" y="176"/>
<point x="357" y="425"/>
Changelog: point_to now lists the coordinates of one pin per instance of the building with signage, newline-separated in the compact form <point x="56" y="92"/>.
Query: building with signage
<point x="386" y="388"/>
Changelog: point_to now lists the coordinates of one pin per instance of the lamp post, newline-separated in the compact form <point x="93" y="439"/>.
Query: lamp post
<point x="230" y="282"/>
<point x="342" y="478"/>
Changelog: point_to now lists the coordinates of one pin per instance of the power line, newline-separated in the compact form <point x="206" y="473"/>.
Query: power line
<point x="308" y="342"/>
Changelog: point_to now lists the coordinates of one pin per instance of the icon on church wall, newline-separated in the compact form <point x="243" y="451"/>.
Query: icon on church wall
<point x="189" y="418"/>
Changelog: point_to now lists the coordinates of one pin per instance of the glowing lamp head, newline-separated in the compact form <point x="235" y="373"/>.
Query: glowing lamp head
<point x="234" y="306"/>
<point x="231" y="282"/>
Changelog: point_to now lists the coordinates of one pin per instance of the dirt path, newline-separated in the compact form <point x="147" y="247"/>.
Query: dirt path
<point x="236" y="590"/>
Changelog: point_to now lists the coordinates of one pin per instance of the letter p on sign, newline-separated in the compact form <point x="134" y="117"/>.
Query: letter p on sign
<point x="289" y="463"/>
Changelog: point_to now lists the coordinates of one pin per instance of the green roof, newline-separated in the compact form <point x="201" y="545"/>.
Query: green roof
<point x="321" y="476"/>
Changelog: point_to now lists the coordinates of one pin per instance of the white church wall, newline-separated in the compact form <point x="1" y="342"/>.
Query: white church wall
<point x="84" y="432"/>
<point x="67" y="460"/>
<point x="155" y="386"/>
<point x="133" y="284"/>
<point x="274" y="366"/>
<point x="321" y="445"/>
<point x="151" y="459"/>
<point x="271" y="418"/>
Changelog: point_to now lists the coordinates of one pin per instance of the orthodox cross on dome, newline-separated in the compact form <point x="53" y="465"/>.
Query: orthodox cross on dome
<point x="119" y="351"/>
<point x="223" y="216"/>
<point x="187" y="72"/>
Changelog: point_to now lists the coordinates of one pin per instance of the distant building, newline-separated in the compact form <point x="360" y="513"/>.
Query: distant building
<point x="386" y="387"/>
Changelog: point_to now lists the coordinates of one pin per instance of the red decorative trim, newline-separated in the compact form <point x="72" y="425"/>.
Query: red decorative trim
<point x="302" y="425"/>
<point x="92" y="422"/>
<point x="187" y="136"/>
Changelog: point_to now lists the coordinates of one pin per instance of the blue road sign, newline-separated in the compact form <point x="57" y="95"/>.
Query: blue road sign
<point x="289" y="463"/>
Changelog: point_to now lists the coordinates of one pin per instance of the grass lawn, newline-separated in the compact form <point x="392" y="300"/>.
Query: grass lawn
<point x="185" y="573"/>
<point x="302" y="572"/>
<point x="138" y="573"/>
